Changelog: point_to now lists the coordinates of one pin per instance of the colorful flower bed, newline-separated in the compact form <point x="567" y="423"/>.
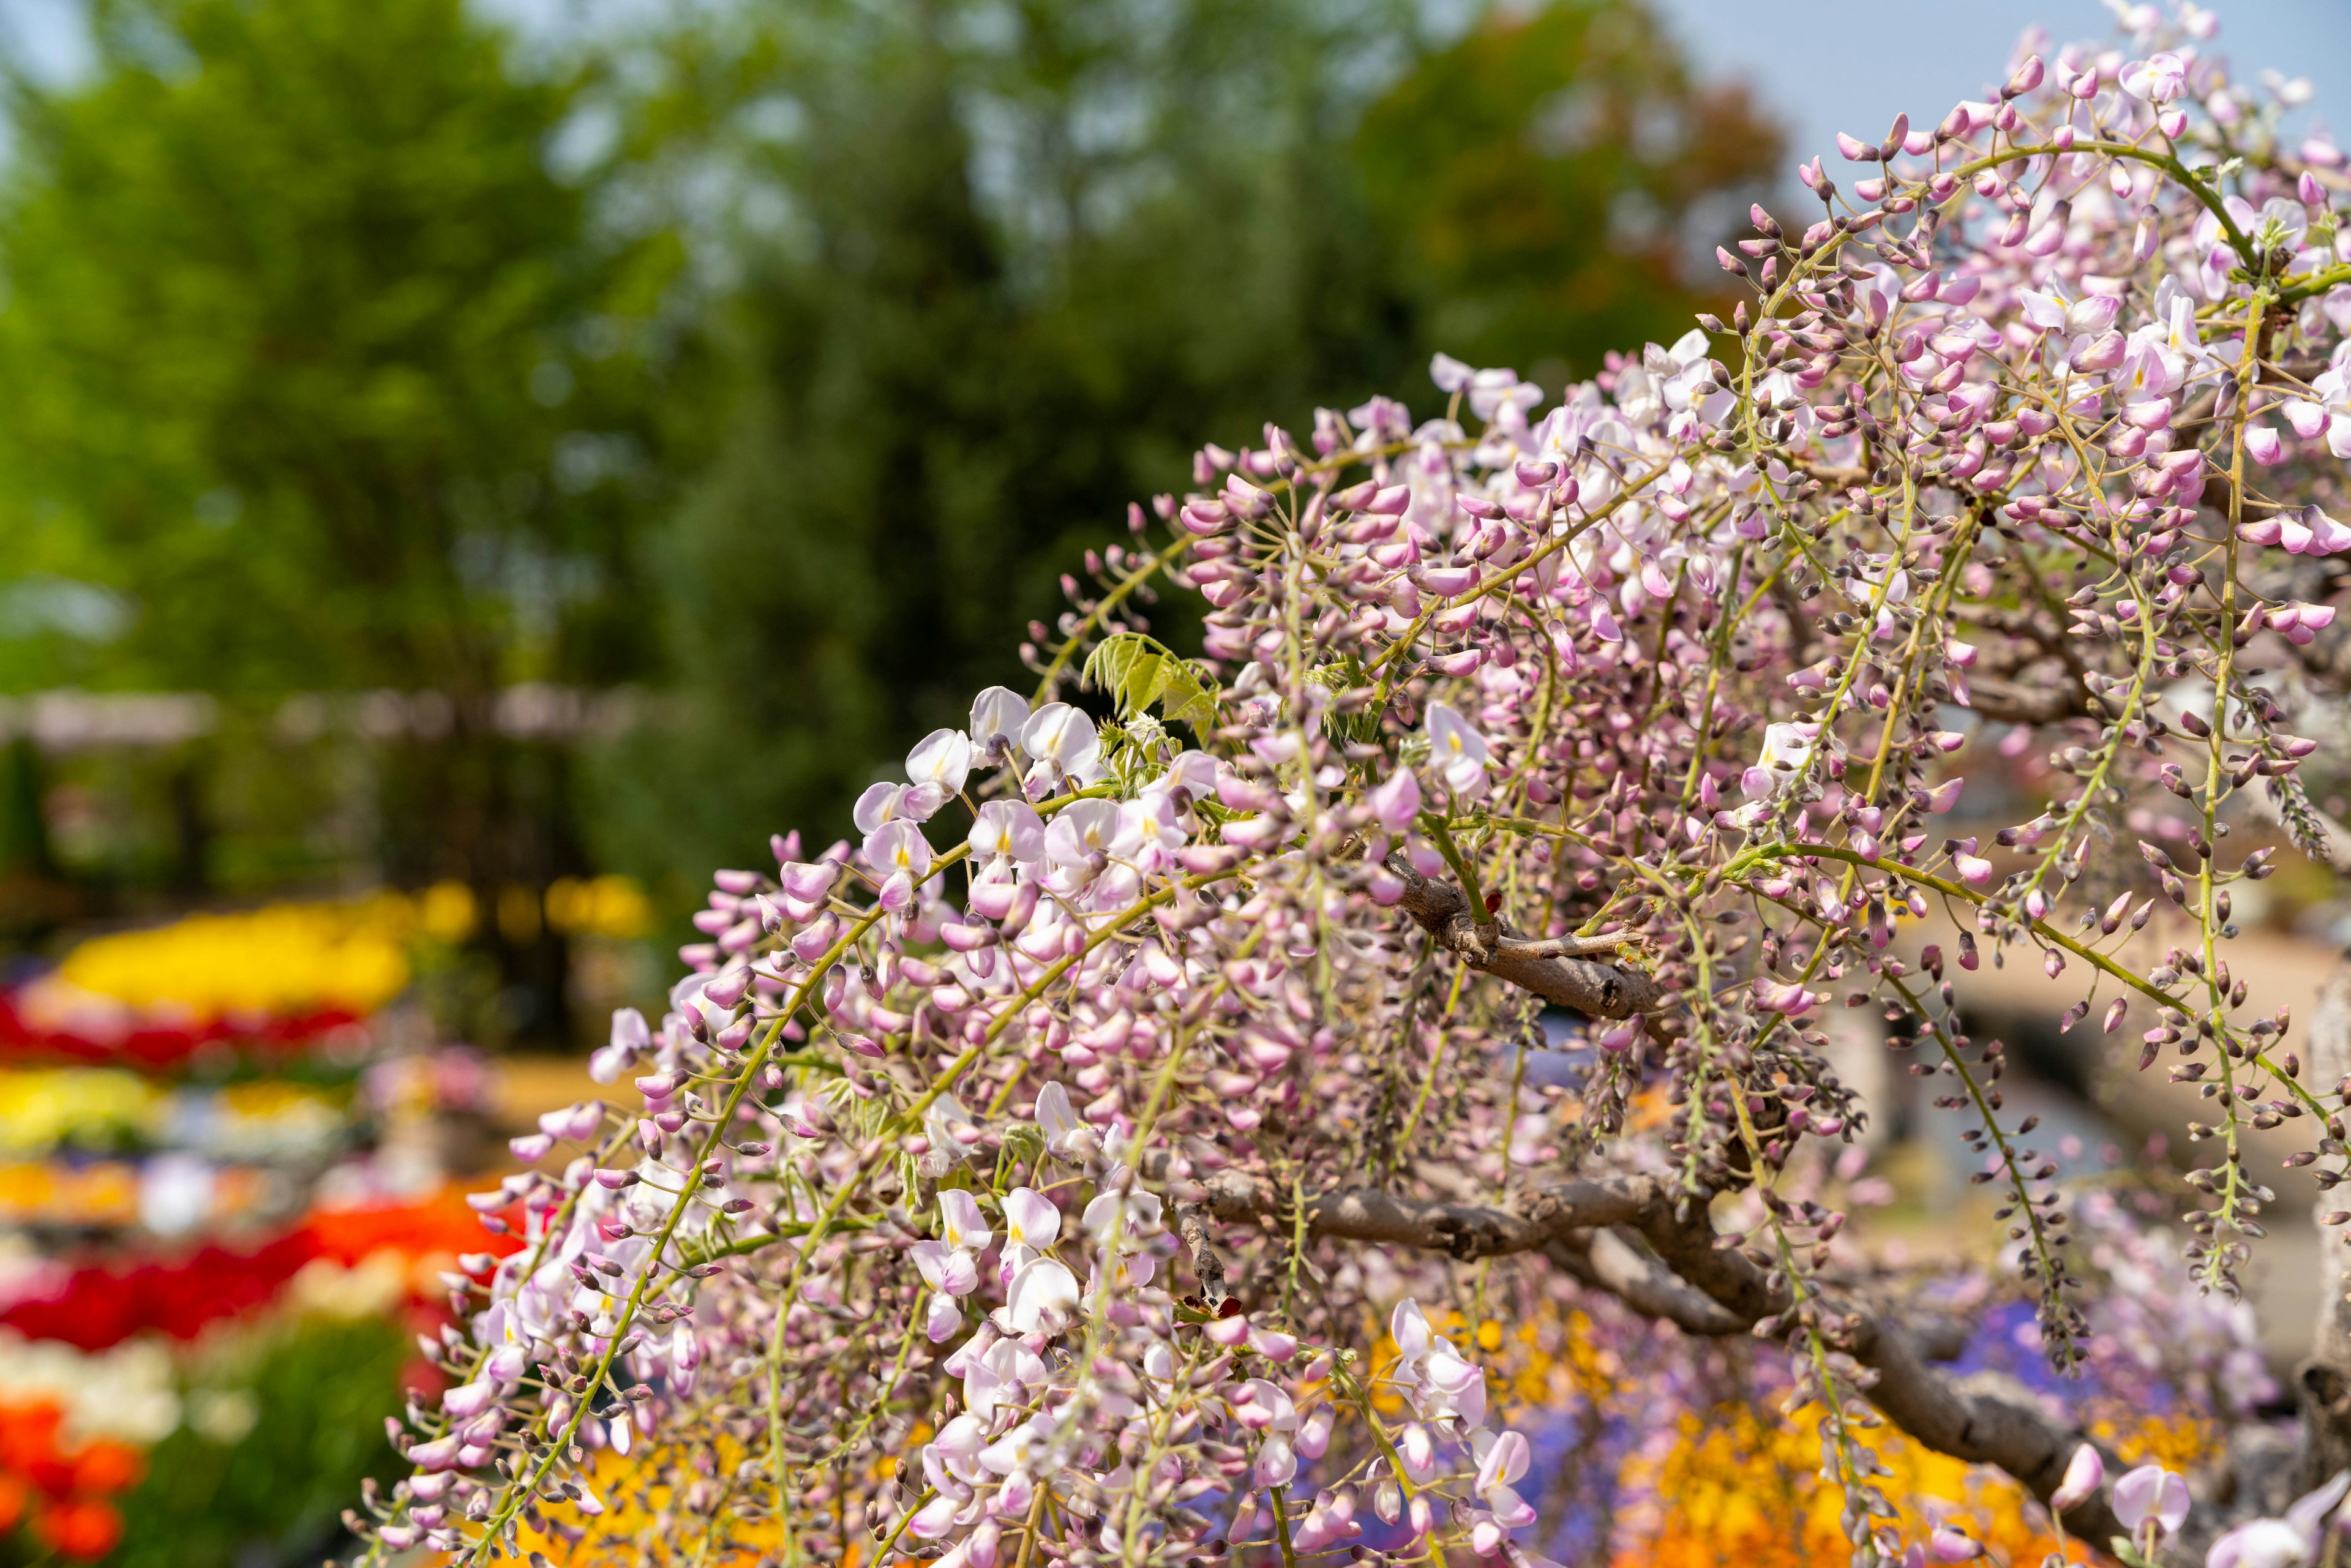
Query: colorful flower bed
<point x="103" y="1303"/>
<point x="109" y="1110"/>
<point x="283" y="983"/>
<point x="120" y="1378"/>
<point x="186" y="1381"/>
<point x="200" y="1377"/>
<point x="279" y="982"/>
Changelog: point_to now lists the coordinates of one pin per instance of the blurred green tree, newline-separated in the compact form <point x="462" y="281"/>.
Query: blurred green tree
<point x="341" y="367"/>
<point x="328" y="380"/>
<point x="1547" y="180"/>
<point x="1023" y="259"/>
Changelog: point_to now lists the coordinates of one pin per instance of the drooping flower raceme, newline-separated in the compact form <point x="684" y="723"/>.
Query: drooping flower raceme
<point x="1025" y="1178"/>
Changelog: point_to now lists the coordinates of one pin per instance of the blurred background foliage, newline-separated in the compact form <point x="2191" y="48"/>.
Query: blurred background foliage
<point x="308" y="1426"/>
<point x="531" y="456"/>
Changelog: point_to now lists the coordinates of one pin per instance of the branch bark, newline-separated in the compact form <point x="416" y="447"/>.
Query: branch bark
<point x="1609" y="1260"/>
<point x="1463" y="1231"/>
<point x="1586" y="1227"/>
<point x="1586" y="985"/>
<point x="2014" y="702"/>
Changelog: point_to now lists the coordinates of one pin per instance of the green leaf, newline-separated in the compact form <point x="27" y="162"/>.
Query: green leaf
<point x="1340" y="677"/>
<point x="1137" y="671"/>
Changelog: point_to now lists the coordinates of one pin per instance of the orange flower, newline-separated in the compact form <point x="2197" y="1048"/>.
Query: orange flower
<point x="81" y="1528"/>
<point x="28" y="1446"/>
<point x="442" y="1223"/>
<point x="62" y="1489"/>
<point x="107" y="1465"/>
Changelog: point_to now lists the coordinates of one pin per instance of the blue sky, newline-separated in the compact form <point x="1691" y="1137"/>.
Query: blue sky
<point x="1828" y="65"/>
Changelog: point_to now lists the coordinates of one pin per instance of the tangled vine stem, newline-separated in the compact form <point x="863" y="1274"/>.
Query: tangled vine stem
<point x="1013" y="1182"/>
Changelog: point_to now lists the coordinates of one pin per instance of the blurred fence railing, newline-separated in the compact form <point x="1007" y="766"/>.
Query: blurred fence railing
<point x="70" y="721"/>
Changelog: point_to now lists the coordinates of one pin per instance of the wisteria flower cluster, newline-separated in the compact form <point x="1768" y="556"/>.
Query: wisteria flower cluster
<point x="1075" y="1167"/>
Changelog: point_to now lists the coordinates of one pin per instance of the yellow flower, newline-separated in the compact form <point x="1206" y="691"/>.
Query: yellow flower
<point x="82" y="1107"/>
<point x="284" y="959"/>
<point x="605" y="906"/>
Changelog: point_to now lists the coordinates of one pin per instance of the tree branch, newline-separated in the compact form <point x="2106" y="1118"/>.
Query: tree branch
<point x="1464" y="1231"/>
<point x="1697" y="1285"/>
<point x="1691" y="1282"/>
<point x="1602" y="990"/>
<point x="1608" y="1261"/>
<point x="2013" y="702"/>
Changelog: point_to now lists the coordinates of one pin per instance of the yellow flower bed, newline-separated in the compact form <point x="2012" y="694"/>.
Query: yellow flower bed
<point x="285" y="958"/>
<point x="349" y="955"/>
<point x="49" y="1108"/>
<point x="644" y="1522"/>
<point x="1743" y="1485"/>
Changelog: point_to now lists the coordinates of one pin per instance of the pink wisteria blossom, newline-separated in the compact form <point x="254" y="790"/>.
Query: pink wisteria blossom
<point x="1468" y="941"/>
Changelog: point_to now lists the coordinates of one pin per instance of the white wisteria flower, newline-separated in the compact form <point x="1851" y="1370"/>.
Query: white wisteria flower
<point x="1458" y="752"/>
<point x="1008" y="831"/>
<point x="942" y="758"/>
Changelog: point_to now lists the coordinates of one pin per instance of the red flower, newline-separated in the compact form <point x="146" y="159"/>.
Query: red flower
<point x="103" y="1305"/>
<point x="440" y="1224"/>
<point x="63" y="1491"/>
<point x="28" y="1446"/>
<point x="159" y="1046"/>
<point x="80" y="1527"/>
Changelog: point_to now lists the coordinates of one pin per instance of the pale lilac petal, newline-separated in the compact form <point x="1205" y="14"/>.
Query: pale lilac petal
<point x="1505" y="1461"/>
<point x="1031" y="1220"/>
<point x="942" y="758"/>
<point x="965" y="1228"/>
<point x="1043" y="1296"/>
<point x="2083" y="1476"/>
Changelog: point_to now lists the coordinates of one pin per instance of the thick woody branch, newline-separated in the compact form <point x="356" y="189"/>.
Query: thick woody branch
<point x="1609" y="1260"/>
<point x="1465" y="1231"/>
<point x="1586" y="1227"/>
<point x="1533" y="964"/>
<point x="1979" y="1420"/>
<point x="1617" y="1262"/>
<point x="2014" y="702"/>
